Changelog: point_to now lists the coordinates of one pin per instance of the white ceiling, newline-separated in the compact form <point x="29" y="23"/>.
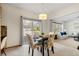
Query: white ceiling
<point x="48" y="8"/>
<point x="42" y="7"/>
<point x="69" y="17"/>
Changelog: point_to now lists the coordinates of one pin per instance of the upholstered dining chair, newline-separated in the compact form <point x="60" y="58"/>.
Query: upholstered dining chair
<point x="31" y="44"/>
<point x="50" y="42"/>
<point x="3" y="43"/>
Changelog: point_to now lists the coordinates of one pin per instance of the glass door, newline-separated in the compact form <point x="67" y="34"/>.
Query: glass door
<point x="36" y="28"/>
<point x="56" y="27"/>
<point x="31" y="27"/>
<point x="27" y="29"/>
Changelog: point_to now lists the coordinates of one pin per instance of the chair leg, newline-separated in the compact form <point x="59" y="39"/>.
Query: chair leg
<point x="48" y="51"/>
<point x="3" y="51"/>
<point x="52" y="48"/>
<point x="38" y="48"/>
<point x="32" y="52"/>
<point x="41" y="49"/>
<point x="29" y="50"/>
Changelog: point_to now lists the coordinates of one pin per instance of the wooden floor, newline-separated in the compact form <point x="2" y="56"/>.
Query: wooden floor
<point x="70" y="42"/>
<point x="61" y="47"/>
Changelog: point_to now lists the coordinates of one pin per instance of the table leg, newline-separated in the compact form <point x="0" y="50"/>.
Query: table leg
<point x="43" y="48"/>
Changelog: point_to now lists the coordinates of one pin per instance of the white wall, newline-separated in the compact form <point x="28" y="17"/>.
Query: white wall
<point x="12" y="16"/>
<point x="72" y="27"/>
<point x="46" y="26"/>
<point x="0" y="15"/>
<point x="0" y="11"/>
<point x="4" y="16"/>
<point x="0" y="27"/>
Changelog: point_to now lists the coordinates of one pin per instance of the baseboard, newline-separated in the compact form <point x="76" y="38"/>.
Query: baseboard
<point x="13" y="46"/>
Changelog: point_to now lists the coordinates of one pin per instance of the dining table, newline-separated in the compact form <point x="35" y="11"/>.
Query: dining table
<point x="42" y="41"/>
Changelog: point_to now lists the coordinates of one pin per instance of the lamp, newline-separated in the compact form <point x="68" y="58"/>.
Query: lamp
<point x="43" y="16"/>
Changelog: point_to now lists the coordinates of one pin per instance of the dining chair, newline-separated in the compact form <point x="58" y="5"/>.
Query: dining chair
<point x="32" y="45"/>
<point x="3" y="43"/>
<point x="50" y="42"/>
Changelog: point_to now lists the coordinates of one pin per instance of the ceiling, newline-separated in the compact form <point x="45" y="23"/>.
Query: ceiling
<point x="42" y="7"/>
<point x="48" y="8"/>
<point x="69" y="17"/>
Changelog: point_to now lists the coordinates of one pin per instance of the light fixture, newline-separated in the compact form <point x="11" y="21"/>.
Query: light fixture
<point x="43" y="16"/>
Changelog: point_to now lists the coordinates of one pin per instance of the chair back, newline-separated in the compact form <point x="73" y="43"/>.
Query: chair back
<point x="3" y="43"/>
<point x="51" y="39"/>
<point x="29" y="40"/>
<point x="3" y="32"/>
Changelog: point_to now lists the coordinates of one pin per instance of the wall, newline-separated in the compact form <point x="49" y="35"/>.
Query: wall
<point x="0" y="27"/>
<point x="0" y="14"/>
<point x="72" y="27"/>
<point x="4" y="16"/>
<point x="46" y="26"/>
<point x="12" y="16"/>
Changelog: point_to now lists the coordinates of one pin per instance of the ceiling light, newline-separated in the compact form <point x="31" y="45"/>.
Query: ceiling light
<point x="43" y="16"/>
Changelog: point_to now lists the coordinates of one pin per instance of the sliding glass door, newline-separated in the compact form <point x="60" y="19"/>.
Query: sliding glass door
<point x="32" y="27"/>
<point x="56" y="27"/>
<point x="27" y="29"/>
<point x="36" y="28"/>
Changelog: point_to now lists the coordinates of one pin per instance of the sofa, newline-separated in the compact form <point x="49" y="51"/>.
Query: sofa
<point x="62" y="35"/>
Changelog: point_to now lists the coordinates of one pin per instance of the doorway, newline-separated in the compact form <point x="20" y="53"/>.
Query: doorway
<point x="56" y="27"/>
<point x="29" y="26"/>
